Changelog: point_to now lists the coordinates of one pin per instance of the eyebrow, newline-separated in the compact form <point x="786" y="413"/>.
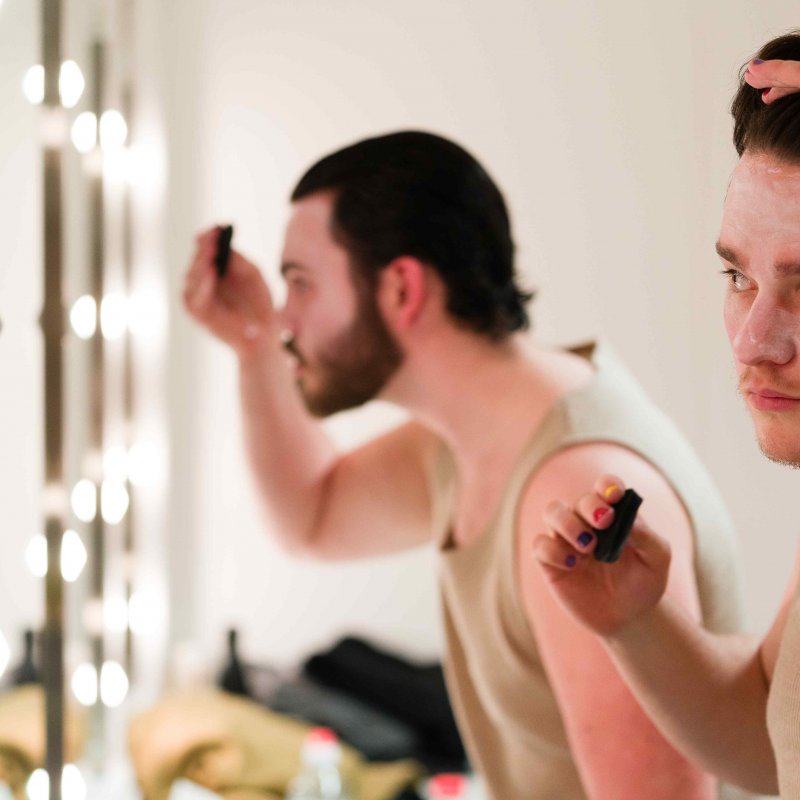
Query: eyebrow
<point x="783" y="268"/>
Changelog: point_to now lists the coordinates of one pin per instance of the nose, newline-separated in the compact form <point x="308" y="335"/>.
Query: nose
<point x="768" y="333"/>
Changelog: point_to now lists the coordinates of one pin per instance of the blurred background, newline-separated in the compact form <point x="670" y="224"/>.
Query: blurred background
<point x="605" y="124"/>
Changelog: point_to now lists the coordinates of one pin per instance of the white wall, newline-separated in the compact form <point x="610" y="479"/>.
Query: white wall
<point x="21" y="373"/>
<point x="605" y="124"/>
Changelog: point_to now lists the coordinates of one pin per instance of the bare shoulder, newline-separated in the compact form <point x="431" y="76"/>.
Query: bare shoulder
<point x="772" y="641"/>
<point x="570" y="473"/>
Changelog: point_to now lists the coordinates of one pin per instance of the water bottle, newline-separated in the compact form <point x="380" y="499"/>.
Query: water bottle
<point x="447" y="786"/>
<point x="319" y="777"/>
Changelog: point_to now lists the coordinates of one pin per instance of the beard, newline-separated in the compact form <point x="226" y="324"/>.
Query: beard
<point x="353" y="367"/>
<point x="778" y="438"/>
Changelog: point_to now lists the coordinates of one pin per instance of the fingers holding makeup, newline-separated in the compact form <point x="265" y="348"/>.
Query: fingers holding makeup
<point x="609" y="488"/>
<point x="565" y="523"/>
<point x="595" y="510"/>
<point x="555" y="555"/>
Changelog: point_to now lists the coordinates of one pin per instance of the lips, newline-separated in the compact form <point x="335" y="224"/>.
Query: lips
<point x="765" y="399"/>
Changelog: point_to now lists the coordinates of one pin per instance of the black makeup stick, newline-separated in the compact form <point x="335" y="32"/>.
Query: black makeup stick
<point x="223" y="250"/>
<point x="611" y="540"/>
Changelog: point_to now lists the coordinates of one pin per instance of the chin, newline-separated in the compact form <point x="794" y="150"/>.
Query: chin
<point x="779" y="448"/>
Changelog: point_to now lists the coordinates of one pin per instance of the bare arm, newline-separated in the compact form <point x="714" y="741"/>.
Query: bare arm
<point x="370" y="501"/>
<point x="620" y="753"/>
<point x="706" y="692"/>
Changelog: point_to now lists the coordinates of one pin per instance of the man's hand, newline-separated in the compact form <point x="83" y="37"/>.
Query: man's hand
<point x="238" y="308"/>
<point x="776" y="77"/>
<point x="603" y="597"/>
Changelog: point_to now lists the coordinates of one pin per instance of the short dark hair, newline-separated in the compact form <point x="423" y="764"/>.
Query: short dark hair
<point x="417" y="194"/>
<point x="773" y="128"/>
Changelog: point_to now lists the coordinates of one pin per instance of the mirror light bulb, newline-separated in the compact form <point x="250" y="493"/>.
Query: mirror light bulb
<point x="115" y="614"/>
<point x="84" y="132"/>
<point x="113" y="684"/>
<point x="145" y="464"/>
<point x="114" y="501"/>
<point x="144" y="611"/>
<point x="83" y="316"/>
<point x="115" y="464"/>
<point x="38" y="785"/>
<point x="73" y="556"/>
<point x="113" y="130"/>
<point x="36" y="556"/>
<point x="84" y="684"/>
<point x="33" y="84"/>
<point x="113" y="316"/>
<point x="73" y="784"/>
<point x="84" y="500"/>
<point x="70" y="84"/>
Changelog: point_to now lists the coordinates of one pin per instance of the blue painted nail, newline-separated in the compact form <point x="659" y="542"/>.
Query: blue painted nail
<point x="571" y="560"/>
<point x="758" y="60"/>
<point x="585" y="539"/>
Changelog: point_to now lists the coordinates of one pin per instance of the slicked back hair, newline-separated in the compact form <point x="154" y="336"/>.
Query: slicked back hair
<point x="417" y="194"/>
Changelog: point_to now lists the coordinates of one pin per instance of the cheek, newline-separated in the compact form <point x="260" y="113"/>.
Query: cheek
<point x="732" y="315"/>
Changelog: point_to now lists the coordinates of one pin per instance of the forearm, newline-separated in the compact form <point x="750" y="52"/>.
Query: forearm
<point x="290" y="455"/>
<point x="706" y="692"/>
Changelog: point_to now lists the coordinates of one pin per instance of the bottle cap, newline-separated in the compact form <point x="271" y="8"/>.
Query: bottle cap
<point x="447" y="785"/>
<point x="321" y="746"/>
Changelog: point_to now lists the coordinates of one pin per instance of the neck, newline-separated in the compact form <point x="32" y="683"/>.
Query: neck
<point x="481" y="398"/>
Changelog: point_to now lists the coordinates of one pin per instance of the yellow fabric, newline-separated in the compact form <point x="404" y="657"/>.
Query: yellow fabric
<point x="783" y="710"/>
<point x="238" y="749"/>
<point x="506" y="710"/>
<point x="23" y="739"/>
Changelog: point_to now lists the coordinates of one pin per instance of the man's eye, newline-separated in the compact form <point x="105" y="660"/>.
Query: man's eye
<point x="737" y="281"/>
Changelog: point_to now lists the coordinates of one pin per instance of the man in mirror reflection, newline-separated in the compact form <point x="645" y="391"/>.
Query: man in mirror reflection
<point x="401" y="286"/>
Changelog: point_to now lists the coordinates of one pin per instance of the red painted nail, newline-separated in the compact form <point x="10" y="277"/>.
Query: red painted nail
<point x="600" y="514"/>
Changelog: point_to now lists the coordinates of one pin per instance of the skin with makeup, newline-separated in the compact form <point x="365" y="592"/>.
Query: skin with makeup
<point x="483" y="396"/>
<point x="712" y="700"/>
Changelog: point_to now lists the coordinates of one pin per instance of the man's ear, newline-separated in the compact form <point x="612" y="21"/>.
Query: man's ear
<point x="402" y="291"/>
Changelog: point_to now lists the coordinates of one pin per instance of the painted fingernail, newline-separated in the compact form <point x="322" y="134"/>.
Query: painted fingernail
<point x="600" y="514"/>
<point x="571" y="560"/>
<point x="611" y="489"/>
<point x="585" y="539"/>
<point x="758" y="60"/>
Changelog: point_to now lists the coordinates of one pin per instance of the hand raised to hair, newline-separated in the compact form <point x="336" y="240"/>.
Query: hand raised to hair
<point x="777" y="77"/>
<point x="238" y="308"/>
<point x="603" y="597"/>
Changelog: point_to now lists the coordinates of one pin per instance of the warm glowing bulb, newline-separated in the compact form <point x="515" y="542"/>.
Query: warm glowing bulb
<point x="84" y="684"/>
<point x="115" y="614"/>
<point x="33" y="84"/>
<point x="113" y="130"/>
<point x="73" y="556"/>
<point x="145" y="464"/>
<point x="38" y="785"/>
<point x="144" y="610"/>
<point x="5" y="654"/>
<point x="115" y="464"/>
<point x="84" y="132"/>
<point x="113" y="684"/>
<point x="83" y="316"/>
<point x="114" y="501"/>
<point x="36" y="555"/>
<point x="73" y="785"/>
<point x="114" y="316"/>
<point x="70" y="84"/>
<point x="84" y="500"/>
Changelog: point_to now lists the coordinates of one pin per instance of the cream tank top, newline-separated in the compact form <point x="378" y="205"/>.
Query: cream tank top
<point x="783" y="708"/>
<point x="506" y="710"/>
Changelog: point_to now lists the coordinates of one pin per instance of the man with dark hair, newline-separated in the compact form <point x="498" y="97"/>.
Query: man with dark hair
<point x="398" y="261"/>
<point x="730" y="703"/>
